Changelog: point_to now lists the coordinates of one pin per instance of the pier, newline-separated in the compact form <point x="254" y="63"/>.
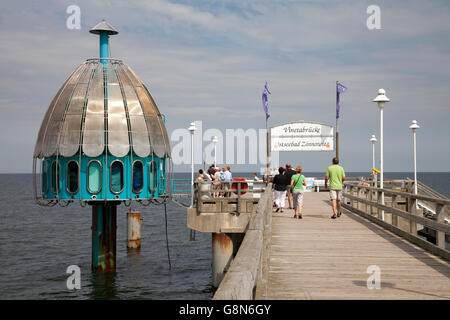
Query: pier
<point x="279" y="257"/>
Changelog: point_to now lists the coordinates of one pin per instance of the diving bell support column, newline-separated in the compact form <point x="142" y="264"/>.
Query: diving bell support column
<point x="104" y="214"/>
<point x="104" y="228"/>
<point x="104" y="45"/>
<point x="224" y="248"/>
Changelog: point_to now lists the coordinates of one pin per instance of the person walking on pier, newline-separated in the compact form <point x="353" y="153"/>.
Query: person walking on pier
<point x="336" y="175"/>
<point x="216" y="183"/>
<point x="227" y="177"/>
<point x="298" y="181"/>
<point x="280" y="182"/>
<point x="200" y="176"/>
<point x="212" y="171"/>
<point x="289" y="173"/>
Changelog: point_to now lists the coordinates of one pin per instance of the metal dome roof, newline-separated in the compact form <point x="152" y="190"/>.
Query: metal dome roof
<point x="104" y="26"/>
<point x="102" y="98"/>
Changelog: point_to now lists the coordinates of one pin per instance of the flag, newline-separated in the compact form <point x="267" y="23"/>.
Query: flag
<point x="265" y="102"/>
<point x="339" y="89"/>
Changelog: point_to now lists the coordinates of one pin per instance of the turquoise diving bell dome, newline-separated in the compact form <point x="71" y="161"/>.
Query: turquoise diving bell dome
<point x="103" y="137"/>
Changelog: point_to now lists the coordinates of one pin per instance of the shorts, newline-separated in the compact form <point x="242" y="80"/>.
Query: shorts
<point x="289" y="190"/>
<point x="280" y="197"/>
<point x="336" y="195"/>
<point x="297" y="196"/>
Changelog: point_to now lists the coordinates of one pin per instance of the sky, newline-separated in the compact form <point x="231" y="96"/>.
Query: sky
<point x="208" y="60"/>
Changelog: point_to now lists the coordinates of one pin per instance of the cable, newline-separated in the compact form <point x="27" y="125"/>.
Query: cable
<point x="167" y="236"/>
<point x="192" y="235"/>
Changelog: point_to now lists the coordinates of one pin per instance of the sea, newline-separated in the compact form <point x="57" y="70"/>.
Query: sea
<point x="38" y="244"/>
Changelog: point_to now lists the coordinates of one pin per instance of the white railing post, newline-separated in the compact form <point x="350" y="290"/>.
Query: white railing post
<point x="440" y="236"/>
<point x="359" y="193"/>
<point x="412" y="211"/>
<point x="380" y="200"/>
<point x="394" y="216"/>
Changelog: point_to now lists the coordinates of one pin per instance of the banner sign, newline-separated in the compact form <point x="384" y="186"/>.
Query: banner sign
<point x="310" y="184"/>
<point x="302" y="136"/>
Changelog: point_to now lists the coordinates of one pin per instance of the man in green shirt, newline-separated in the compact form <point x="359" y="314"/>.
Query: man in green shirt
<point x="336" y="175"/>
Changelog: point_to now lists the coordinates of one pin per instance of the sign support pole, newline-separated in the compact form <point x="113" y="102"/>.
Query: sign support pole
<point x="267" y="146"/>
<point x="337" y="133"/>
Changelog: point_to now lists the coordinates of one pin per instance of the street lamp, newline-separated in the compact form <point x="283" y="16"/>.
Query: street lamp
<point x="215" y="140"/>
<point x="192" y="129"/>
<point x="381" y="99"/>
<point x="374" y="140"/>
<point x="414" y="126"/>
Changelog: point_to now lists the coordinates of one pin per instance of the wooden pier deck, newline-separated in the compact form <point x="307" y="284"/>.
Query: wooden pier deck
<point x="320" y="258"/>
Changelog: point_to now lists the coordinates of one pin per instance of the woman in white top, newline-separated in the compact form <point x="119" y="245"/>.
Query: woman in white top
<point x="216" y="183"/>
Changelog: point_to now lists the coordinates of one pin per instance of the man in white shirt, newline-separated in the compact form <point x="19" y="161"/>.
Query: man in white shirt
<point x="227" y="178"/>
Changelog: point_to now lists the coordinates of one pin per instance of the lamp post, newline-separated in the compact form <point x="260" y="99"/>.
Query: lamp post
<point x="374" y="140"/>
<point x="215" y="140"/>
<point x="381" y="99"/>
<point x="192" y="129"/>
<point x="414" y="126"/>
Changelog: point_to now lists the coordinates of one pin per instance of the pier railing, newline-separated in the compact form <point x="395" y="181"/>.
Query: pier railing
<point x="227" y="196"/>
<point x="400" y="212"/>
<point x="248" y="272"/>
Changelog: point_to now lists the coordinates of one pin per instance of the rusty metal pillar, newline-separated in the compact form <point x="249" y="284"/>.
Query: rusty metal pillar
<point x="134" y="229"/>
<point x="104" y="227"/>
<point x="224" y="248"/>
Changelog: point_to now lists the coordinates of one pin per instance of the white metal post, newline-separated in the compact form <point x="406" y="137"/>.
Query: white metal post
<point x="414" y="126"/>
<point x="373" y="140"/>
<point x="215" y="149"/>
<point x="373" y="154"/>
<point x="192" y="169"/>
<point x="381" y="99"/>
<point x="415" y="163"/>
<point x="381" y="158"/>
<point x="192" y="129"/>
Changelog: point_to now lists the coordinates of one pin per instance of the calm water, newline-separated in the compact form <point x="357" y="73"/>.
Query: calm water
<point x="37" y="244"/>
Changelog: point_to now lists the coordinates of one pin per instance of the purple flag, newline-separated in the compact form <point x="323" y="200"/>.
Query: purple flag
<point x="339" y="89"/>
<point x="264" y="101"/>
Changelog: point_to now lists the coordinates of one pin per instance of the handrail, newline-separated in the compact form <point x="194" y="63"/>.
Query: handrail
<point x="174" y="186"/>
<point x="426" y="189"/>
<point x="360" y="194"/>
<point x="204" y="192"/>
<point x="400" y="193"/>
<point x="246" y="271"/>
<point x="404" y="214"/>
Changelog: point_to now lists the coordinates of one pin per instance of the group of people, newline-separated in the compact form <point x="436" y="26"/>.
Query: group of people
<point x="291" y="183"/>
<point x="216" y="175"/>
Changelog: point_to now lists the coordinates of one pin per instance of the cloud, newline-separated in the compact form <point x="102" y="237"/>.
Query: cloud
<point x="208" y="60"/>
